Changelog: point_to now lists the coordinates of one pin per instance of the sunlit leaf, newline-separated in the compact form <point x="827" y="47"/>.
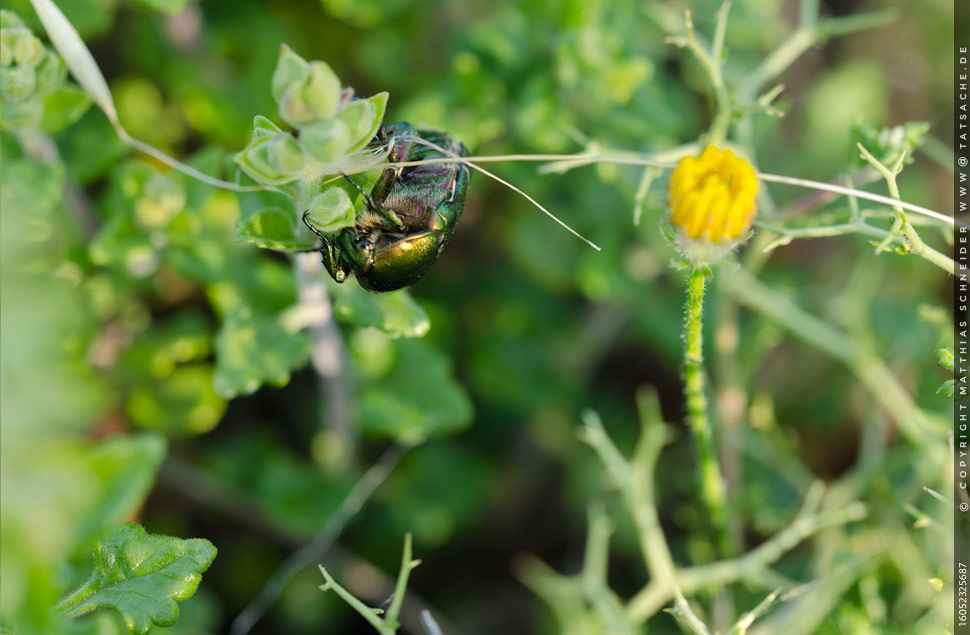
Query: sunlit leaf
<point x="141" y="576"/>
<point x="63" y="107"/>
<point x="253" y="350"/>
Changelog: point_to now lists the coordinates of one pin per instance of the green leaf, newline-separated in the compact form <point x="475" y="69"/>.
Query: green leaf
<point x="395" y="313"/>
<point x="944" y="356"/>
<point x="888" y="144"/>
<point x="946" y="388"/>
<point x="326" y="141"/>
<point x="263" y="127"/>
<point x="54" y="499"/>
<point x="273" y="160"/>
<point x="10" y="20"/>
<point x="17" y="83"/>
<point x="363" y="117"/>
<point x="63" y="107"/>
<point x="290" y="67"/>
<point x="257" y="286"/>
<point x="272" y="228"/>
<point x="312" y="97"/>
<point x="183" y="403"/>
<point x="321" y="90"/>
<point x="253" y="350"/>
<point x="141" y="576"/>
<point x="417" y="399"/>
<point x="51" y="71"/>
<point x="331" y="211"/>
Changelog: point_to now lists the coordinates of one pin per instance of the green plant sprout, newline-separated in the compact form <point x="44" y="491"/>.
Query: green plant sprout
<point x="384" y="622"/>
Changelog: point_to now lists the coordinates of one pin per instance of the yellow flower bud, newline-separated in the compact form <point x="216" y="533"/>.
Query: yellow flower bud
<point x="712" y="197"/>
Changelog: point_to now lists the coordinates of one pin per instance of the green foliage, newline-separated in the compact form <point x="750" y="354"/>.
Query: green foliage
<point x="166" y="357"/>
<point x="333" y="133"/>
<point x="413" y="399"/>
<point x="891" y="145"/>
<point x="253" y="349"/>
<point x="141" y="576"/>
<point x="388" y="623"/>
<point x="32" y="89"/>
<point x="396" y="313"/>
<point x="272" y="228"/>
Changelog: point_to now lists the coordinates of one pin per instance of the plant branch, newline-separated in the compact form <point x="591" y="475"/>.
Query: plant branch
<point x="314" y="550"/>
<point x="809" y="521"/>
<point x="901" y="224"/>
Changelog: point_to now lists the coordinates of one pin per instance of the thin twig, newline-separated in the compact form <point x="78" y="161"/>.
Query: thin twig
<point x="299" y="559"/>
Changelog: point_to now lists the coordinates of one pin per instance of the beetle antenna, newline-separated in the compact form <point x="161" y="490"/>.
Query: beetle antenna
<point x="370" y="201"/>
<point x="572" y="231"/>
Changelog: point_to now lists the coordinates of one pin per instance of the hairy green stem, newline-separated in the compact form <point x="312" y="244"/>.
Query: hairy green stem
<point x="711" y="480"/>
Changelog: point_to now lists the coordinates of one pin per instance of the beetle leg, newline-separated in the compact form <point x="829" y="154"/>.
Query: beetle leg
<point x="319" y="234"/>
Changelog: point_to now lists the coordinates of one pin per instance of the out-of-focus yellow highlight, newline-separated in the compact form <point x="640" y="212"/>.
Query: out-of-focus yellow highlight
<point x="712" y="196"/>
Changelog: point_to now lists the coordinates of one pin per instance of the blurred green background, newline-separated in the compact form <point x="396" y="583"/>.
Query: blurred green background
<point x="143" y="317"/>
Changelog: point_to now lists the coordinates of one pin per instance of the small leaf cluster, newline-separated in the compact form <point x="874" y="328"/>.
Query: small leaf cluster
<point x="333" y="133"/>
<point x="33" y="93"/>
<point x="888" y="144"/>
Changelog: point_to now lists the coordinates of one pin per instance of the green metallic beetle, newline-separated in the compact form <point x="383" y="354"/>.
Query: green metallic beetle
<point x="410" y="215"/>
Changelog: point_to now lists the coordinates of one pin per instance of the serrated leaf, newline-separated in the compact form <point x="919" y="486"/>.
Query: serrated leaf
<point x="946" y="388"/>
<point x="272" y="228"/>
<point x="54" y="499"/>
<point x="141" y="576"/>
<point x="418" y="398"/>
<point x="396" y="313"/>
<point x="253" y="350"/>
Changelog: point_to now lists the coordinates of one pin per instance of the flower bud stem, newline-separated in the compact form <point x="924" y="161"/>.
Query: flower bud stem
<point x="711" y="480"/>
